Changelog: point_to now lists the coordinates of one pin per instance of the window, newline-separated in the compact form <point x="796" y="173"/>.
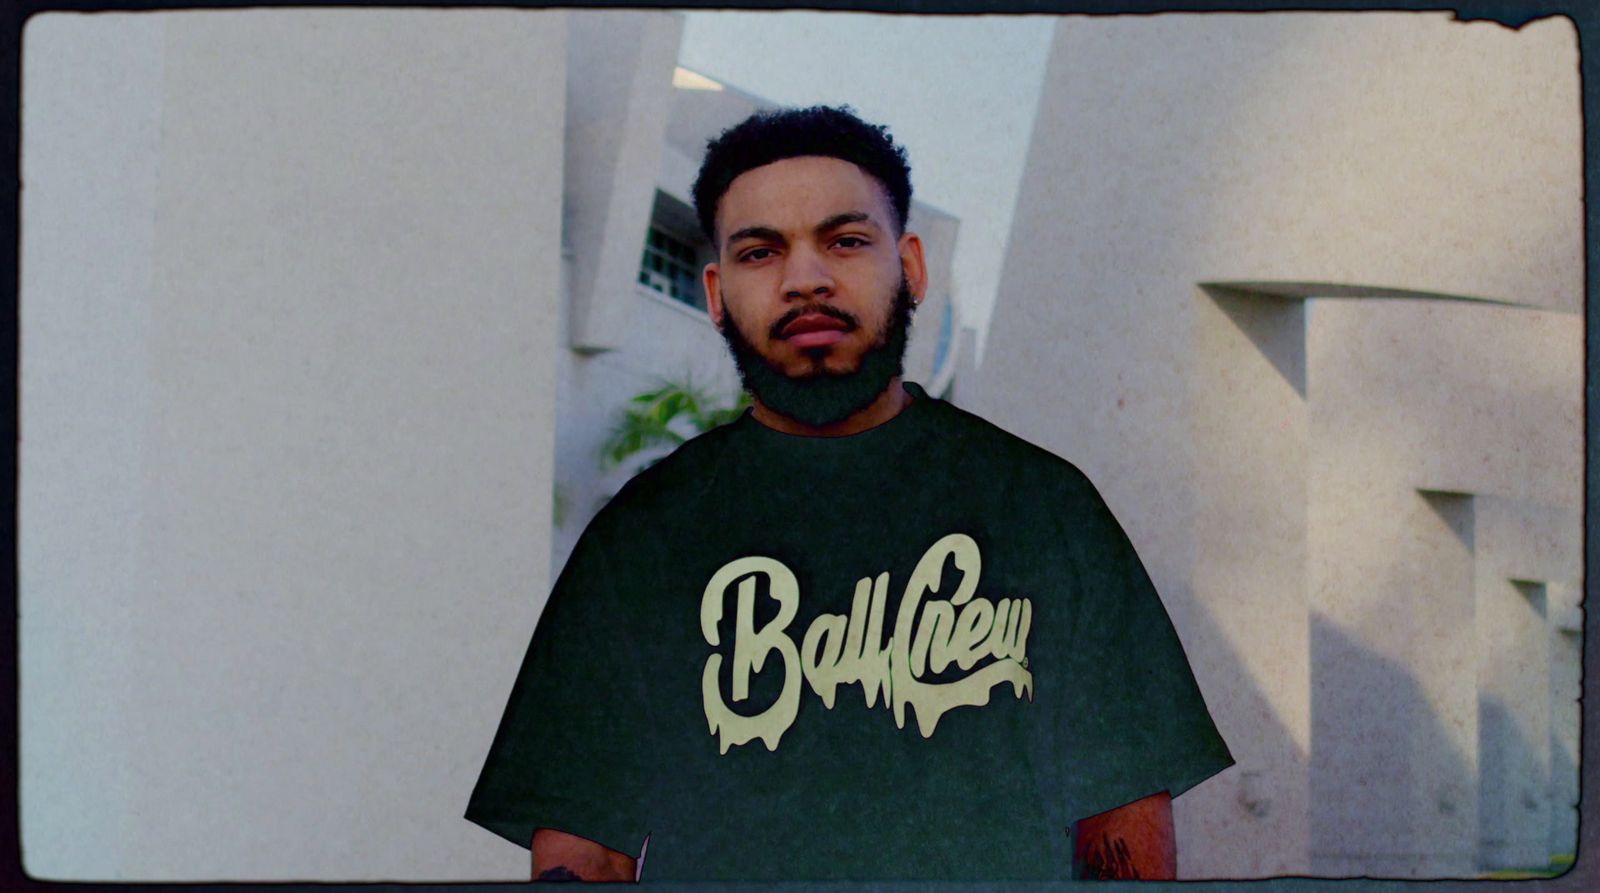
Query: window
<point x="674" y="253"/>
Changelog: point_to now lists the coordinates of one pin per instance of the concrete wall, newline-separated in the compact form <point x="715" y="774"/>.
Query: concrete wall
<point x="1566" y="673"/>
<point x="288" y="329"/>
<point x="619" y="95"/>
<point x="1528" y="555"/>
<point x="1195" y="184"/>
<point x="1447" y="463"/>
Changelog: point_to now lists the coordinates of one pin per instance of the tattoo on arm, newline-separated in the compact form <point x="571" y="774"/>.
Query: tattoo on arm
<point x="558" y="873"/>
<point x="1106" y="860"/>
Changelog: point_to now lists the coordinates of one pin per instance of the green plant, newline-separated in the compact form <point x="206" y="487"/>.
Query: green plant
<point x="665" y="416"/>
<point x="560" y="504"/>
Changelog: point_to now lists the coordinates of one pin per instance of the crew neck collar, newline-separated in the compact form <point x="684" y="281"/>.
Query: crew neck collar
<point x="905" y="420"/>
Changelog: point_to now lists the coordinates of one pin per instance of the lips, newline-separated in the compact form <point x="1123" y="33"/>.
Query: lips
<point x="815" y="330"/>
<point x="815" y="322"/>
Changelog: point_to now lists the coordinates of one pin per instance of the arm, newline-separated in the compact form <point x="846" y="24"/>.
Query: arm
<point x="559" y="856"/>
<point x="1131" y="841"/>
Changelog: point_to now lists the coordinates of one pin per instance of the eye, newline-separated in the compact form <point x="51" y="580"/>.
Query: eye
<point x="756" y="254"/>
<point x="850" y="242"/>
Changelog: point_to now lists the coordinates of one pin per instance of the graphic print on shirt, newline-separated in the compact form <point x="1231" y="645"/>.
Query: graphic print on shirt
<point x="839" y="650"/>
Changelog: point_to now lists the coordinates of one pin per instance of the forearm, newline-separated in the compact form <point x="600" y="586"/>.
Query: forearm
<point x="1135" y="841"/>
<point x="558" y="856"/>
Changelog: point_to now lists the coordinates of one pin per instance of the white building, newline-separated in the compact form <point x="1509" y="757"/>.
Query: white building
<point x="318" y="308"/>
<point x="1303" y="295"/>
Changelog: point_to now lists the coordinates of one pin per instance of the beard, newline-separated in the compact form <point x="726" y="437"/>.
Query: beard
<point x="821" y="396"/>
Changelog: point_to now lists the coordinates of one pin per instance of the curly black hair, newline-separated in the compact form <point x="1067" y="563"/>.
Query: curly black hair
<point x="774" y="135"/>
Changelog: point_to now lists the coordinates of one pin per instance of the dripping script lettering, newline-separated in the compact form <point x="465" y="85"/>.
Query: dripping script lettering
<point x="850" y="649"/>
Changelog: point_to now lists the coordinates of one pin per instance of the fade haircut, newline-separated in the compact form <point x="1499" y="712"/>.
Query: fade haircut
<point x="776" y="134"/>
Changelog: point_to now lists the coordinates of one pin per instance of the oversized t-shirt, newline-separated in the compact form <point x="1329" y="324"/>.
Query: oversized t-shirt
<point x="917" y="652"/>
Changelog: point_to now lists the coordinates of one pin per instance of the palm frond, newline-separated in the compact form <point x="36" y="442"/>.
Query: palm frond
<point x="636" y="432"/>
<point x="646" y="421"/>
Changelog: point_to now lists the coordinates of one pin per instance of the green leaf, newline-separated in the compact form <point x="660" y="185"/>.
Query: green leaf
<point x="645" y="421"/>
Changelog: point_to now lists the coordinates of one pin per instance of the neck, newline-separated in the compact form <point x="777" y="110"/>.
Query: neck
<point x="889" y="404"/>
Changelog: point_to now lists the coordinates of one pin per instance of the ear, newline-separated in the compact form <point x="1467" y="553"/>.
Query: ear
<point x="914" y="264"/>
<point x="711" y="279"/>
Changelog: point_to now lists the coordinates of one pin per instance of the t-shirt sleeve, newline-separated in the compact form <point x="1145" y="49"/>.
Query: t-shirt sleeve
<point x="1137" y="724"/>
<point x="572" y="749"/>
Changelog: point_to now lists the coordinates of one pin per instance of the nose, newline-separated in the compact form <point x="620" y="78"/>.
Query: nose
<point x="806" y="275"/>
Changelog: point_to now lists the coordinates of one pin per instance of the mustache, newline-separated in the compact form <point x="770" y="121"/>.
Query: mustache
<point x="776" y="331"/>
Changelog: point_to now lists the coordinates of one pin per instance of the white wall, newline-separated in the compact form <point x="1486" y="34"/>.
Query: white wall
<point x="288" y="321"/>
<point x="1446" y="463"/>
<point x="1293" y="154"/>
<point x="619" y="93"/>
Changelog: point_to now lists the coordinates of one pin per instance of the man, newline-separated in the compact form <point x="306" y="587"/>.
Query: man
<point x="857" y="633"/>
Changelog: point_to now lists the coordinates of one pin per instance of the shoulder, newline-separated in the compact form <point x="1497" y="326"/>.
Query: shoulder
<point x="670" y="487"/>
<point x="984" y="447"/>
<point x="1023" y="478"/>
<point x="649" y="519"/>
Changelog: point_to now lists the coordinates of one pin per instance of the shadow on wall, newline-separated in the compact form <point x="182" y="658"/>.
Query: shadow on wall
<point x="1564" y="715"/>
<point x="1350" y="838"/>
<point x="1450" y="801"/>
<point x="1215" y="816"/>
<point x="1456" y="510"/>
<point x="1509" y="798"/>
<point x="1275" y="325"/>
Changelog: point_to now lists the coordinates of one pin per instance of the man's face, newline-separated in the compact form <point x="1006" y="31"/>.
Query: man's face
<point x="808" y="275"/>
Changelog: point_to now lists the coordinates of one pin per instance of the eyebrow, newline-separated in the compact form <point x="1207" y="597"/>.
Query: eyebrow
<point x="767" y="233"/>
<point x="844" y="219"/>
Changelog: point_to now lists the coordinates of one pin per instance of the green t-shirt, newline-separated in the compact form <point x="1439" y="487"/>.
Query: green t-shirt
<point x="917" y="652"/>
